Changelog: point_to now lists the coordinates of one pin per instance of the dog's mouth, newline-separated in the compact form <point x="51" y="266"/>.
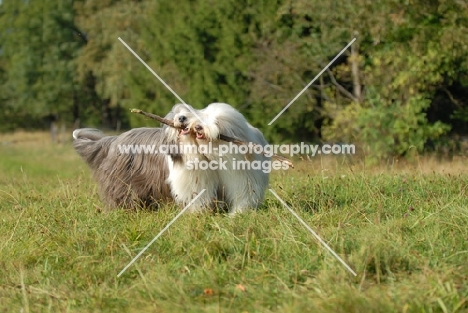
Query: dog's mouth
<point x="199" y="132"/>
<point x="200" y="135"/>
<point x="184" y="130"/>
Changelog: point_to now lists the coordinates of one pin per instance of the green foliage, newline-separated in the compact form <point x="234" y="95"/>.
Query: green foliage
<point x="202" y="49"/>
<point x="409" y="63"/>
<point x="39" y="48"/>
<point x="103" y="62"/>
<point x="389" y="127"/>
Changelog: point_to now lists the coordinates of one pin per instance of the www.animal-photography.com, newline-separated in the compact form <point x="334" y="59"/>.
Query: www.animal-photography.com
<point x="233" y="156"/>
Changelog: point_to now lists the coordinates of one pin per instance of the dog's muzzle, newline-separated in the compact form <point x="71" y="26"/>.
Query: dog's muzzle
<point x="181" y="123"/>
<point x="200" y="132"/>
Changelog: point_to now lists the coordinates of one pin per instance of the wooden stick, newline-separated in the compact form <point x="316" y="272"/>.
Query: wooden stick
<point x="221" y="136"/>
<point x="154" y="117"/>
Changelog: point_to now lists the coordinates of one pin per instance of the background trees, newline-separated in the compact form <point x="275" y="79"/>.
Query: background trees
<point x="400" y="86"/>
<point x="39" y="50"/>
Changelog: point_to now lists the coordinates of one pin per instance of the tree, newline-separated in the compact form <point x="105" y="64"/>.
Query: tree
<point x="203" y="50"/>
<point x="40" y="54"/>
<point x="104" y="62"/>
<point x="401" y="84"/>
<point x="415" y="56"/>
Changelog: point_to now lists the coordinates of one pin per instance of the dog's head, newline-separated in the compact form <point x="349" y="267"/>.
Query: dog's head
<point x="219" y="118"/>
<point x="184" y="117"/>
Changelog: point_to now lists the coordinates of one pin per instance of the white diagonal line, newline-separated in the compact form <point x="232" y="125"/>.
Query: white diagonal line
<point x="313" y="233"/>
<point x="161" y="80"/>
<point x="151" y="70"/>
<point x="160" y="233"/>
<point x="305" y="88"/>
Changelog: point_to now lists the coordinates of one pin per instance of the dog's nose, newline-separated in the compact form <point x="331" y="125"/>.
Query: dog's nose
<point x="198" y="128"/>
<point x="182" y="119"/>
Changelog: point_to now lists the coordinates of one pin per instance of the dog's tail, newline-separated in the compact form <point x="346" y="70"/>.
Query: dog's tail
<point x="92" y="134"/>
<point x="92" y="145"/>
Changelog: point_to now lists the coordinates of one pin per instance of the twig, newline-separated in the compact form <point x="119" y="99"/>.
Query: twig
<point x="455" y="101"/>
<point x="154" y="117"/>
<point x="221" y="136"/>
<point x="341" y="88"/>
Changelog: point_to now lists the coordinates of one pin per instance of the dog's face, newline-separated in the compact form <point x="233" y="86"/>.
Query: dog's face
<point x="218" y="118"/>
<point x="184" y="118"/>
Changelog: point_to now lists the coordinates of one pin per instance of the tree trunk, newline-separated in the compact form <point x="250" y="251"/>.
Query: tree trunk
<point x="105" y="116"/>
<point x="355" y="71"/>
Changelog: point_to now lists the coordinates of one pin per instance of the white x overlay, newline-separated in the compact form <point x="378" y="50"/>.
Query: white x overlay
<point x="313" y="233"/>
<point x="312" y="81"/>
<point x="271" y="190"/>
<point x="161" y="80"/>
<point x="160" y="233"/>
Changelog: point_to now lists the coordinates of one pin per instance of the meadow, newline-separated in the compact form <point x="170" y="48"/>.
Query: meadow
<point x="402" y="227"/>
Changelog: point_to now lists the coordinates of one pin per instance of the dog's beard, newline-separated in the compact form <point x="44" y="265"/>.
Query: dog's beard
<point x="186" y="182"/>
<point x="241" y="189"/>
<point x="183" y="117"/>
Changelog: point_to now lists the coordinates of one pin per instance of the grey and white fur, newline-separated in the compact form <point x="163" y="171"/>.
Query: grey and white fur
<point x="127" y="180"/>
<point x="238" y="189"/>
<point x="131" y="180"/>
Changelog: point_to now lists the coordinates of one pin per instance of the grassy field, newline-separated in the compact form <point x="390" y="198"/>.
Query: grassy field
<point x="402" y="228"/>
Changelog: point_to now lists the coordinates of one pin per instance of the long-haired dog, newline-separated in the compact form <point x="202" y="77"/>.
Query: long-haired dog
<point x="185" y="182"/>
<point x="239" y="187"/>
<point x="128" y="178"/>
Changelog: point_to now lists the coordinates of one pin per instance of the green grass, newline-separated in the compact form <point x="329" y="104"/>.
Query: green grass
<point x="403" y="229"/>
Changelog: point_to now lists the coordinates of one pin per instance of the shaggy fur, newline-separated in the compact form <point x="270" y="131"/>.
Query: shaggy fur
<point x="132" y="180"/>
<point x="187" y="183"/>
<point x="238" y="189"/>
<point x="127" y="180"/>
